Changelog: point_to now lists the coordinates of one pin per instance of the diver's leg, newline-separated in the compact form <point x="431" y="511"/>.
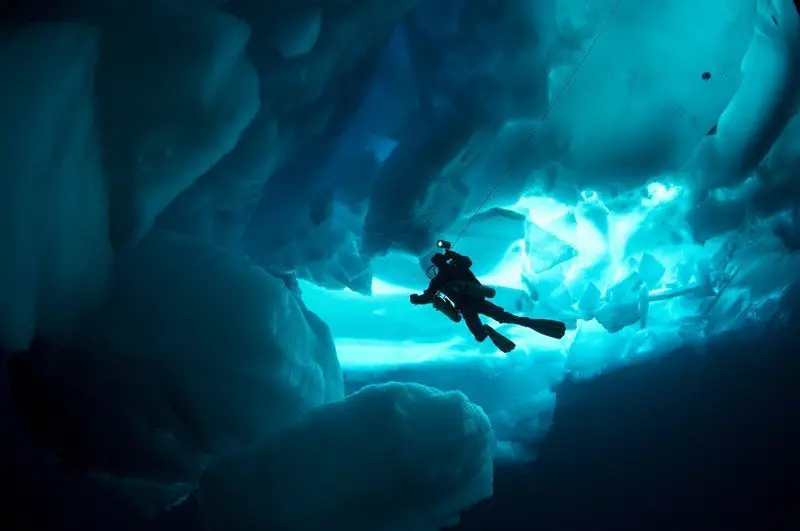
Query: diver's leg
<point x="499" y="340"/>
<point x="482" y="331"/>
<point x="490" y="309"/>
<point x="546" y="327"/>
<point x="474" y="324"/>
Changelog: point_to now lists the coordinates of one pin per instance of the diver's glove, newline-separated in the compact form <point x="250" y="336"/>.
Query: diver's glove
<point x="415" y="298"/>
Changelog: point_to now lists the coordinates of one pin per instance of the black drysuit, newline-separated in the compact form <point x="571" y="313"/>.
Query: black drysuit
<point x="456" y="270"/>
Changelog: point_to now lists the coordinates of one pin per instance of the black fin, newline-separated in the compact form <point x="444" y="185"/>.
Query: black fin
<point x="546" y="327"/>
<point x="499" y="340"/>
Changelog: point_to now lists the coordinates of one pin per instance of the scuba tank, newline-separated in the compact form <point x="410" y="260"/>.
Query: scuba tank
<point x="440" y="303"/>
<point x="475" y="290"/>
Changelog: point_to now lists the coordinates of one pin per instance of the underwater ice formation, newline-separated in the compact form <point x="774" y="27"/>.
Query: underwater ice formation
<point x="211" y="210"/>
<point x="407" y="456"/>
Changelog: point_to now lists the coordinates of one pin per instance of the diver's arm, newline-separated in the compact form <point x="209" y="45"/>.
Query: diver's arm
<point x="427" y="295"/>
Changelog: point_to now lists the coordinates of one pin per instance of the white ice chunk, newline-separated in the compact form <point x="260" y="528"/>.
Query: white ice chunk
<point x="172" y="104"/>
<point x="661" y="227"/>
<point x="210" y="352"/>
<point x="544" y="250"/>
<point x="401" y="269"/>
<point x="625" y="290"/>
<point x="390" y="457"/>
<point x="53" y="207"/>
<point x="543" y="285"/>
<point x="653" y="106"/>
<point x="298" y="34"/>
<point x="684" y="272"/>
<point x="490" y="240"/>
<point x="589" y="301"/>
<point x="651" y="270"/>
<point x="622" y="307"/>
<point x="616" y="316"/>
<point x="767" y="98"/>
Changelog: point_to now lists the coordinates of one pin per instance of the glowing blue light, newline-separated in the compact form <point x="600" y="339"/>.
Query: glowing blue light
<point x="384" y="329"/>
<point x="659" y="193"/>
<point x="381" y="288"/>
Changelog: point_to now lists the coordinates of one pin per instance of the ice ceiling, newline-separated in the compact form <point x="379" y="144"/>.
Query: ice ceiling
<point x="240" y="195"/>
<point x="641" y="222"/>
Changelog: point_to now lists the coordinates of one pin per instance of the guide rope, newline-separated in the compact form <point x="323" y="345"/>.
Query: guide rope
<point x="535" y="129"/>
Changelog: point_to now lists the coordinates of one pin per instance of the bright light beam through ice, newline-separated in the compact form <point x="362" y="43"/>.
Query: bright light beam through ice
<point x="386" y="330"/>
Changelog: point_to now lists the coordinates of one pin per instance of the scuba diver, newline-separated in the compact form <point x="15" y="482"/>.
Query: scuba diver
<point x="455" y="291"/>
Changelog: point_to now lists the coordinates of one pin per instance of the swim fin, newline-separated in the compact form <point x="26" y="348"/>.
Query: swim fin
<point x="499" y="340"/>
<point x="546" y="327"/>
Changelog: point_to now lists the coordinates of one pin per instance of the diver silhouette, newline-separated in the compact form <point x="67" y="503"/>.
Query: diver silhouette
<point x="455" y="291"/>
